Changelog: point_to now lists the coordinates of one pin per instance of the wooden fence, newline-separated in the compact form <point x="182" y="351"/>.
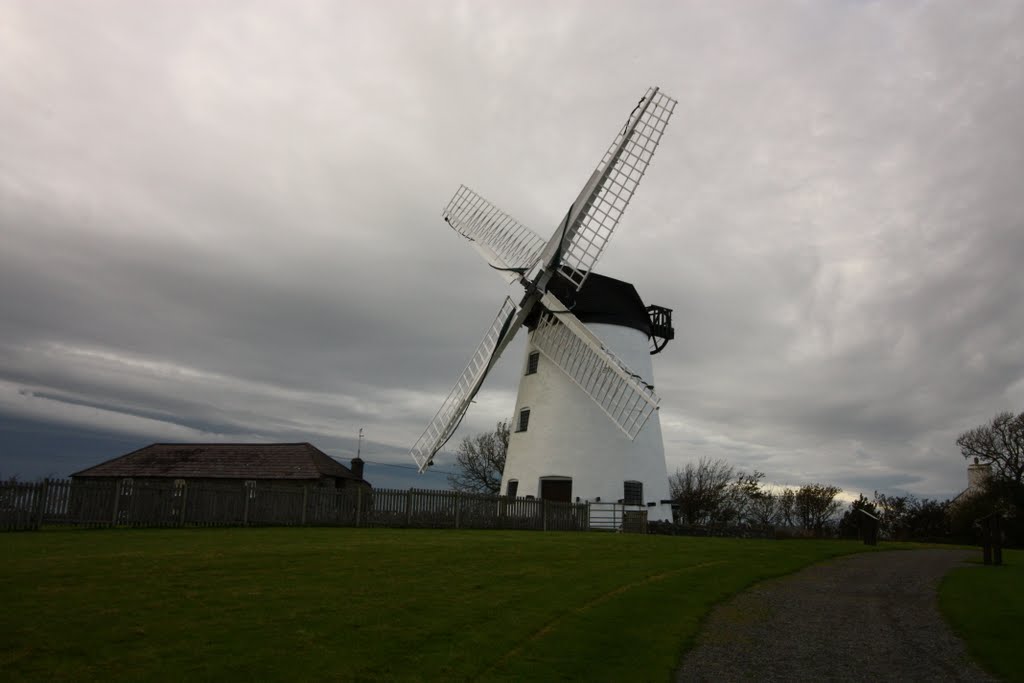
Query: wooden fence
<point x="134" y="503"/>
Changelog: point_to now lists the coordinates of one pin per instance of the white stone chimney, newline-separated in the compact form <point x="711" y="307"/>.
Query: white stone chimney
<point x="978" y="474"/>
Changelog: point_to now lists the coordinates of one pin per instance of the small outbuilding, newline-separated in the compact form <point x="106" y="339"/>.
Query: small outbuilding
<point x="177" y="484"/>
<point x="280" y="464"/>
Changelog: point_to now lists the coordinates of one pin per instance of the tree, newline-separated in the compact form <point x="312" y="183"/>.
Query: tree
<point x="850" y="524"/>
<point x="815" y="506"/>
<point x="787" y="508"/>
<point x="713" y="492"/>
<point x="748" y="503"/>
<point x="480" y="461"/>
<point x="964" y="514"/>
<point x="701" y="490"/>
<point x="999" y="443"/>
<point x="929" y="520"/>
<point x="763" y="509"/>
<point x="894" y="513"/>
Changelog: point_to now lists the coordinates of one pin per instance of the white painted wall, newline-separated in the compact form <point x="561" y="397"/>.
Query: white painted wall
<point x="569" y="436"/>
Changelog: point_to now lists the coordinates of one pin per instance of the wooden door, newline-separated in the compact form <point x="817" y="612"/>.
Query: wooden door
<point x="556" y="490"/>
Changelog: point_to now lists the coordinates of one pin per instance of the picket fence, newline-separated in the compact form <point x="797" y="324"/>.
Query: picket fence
<point x="134" y="503"/>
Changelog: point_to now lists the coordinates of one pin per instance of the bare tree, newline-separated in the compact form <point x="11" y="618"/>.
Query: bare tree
<point x="701" y="490"/>
<point x="713" y="492"/>
<point x="999" y="443"/>
<point x="480" y="461"/>
<point x="787" y="508"/>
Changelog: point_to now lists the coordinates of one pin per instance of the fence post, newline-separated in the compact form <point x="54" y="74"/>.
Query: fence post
<point x="305" y="500"/>
<point x="184" y="501"/>
<point x="80" y="507"/>
<point x="117" y="501"/>
<point x="458" y="507"/>
<point x="245" y="504"/>
<point x="545" y="514"/>
<point x="408" y="508"/>
<point x="359" y="505"/>
<point x="40" y="504"/>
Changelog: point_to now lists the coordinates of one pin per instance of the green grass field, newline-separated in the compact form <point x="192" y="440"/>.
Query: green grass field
<point x="367" y="604"/>
<point x="985" y="606"/>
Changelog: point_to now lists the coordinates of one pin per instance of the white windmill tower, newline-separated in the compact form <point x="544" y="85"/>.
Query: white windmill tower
<point x="586" y="423"/>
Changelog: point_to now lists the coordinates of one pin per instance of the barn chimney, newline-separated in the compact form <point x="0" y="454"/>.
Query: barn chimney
<point x="357" y="466"/>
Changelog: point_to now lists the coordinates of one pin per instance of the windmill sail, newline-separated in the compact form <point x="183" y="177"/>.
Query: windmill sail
<point x="579" y="353"/>
<point x="596" y="212"/>
<point x="506" y="244"/>
<point x="454" y="407"/>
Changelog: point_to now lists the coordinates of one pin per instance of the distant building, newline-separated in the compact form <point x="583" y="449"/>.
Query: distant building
<point x="280" y="464"/>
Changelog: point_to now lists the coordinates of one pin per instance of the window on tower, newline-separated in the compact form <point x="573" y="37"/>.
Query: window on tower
<point x="524" y="420"/>
<point x="633" y="493"/>
<point x="531" y="362"/>
<point x="513" y="488"/>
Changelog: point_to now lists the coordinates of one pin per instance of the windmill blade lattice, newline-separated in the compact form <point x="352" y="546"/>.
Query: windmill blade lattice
<point x="622" y="170"/>
<point x="505" y="243"/>
<point x="581" y="355"/>
<point x="454" y="407"/>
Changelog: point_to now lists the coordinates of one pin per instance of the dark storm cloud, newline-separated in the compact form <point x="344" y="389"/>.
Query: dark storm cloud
<point x="222" y="222"/>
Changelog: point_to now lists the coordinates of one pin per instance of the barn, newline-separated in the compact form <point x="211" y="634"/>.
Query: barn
<point x="248" y="464"/>
<point x="177" y="484"/>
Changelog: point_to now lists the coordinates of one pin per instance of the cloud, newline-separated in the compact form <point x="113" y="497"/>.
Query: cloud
<point x="226" y="219"/>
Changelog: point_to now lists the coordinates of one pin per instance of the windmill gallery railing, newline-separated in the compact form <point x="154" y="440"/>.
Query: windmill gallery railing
<point x="135" y="503"/>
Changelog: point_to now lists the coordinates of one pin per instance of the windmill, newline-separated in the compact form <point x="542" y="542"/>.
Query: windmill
<point x="586" y="420"/>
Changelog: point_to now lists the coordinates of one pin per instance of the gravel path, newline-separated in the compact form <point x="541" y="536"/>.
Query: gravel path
<point x="867" y="617"/>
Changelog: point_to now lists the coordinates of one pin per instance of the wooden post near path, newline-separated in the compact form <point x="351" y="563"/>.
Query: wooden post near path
<point x="992" y="539"/>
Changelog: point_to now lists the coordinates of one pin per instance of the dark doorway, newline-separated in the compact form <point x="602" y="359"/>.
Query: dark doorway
<point x="557" y="490"/>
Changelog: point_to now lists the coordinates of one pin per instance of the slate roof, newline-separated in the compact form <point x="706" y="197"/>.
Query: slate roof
<point x="223" y="461"/>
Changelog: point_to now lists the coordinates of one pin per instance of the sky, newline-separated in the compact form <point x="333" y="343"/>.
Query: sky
<point x="221" y="221"/>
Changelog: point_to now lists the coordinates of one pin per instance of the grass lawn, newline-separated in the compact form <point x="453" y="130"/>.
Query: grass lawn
<point x="370" y="604"/>
<point x="985" y="606"/>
